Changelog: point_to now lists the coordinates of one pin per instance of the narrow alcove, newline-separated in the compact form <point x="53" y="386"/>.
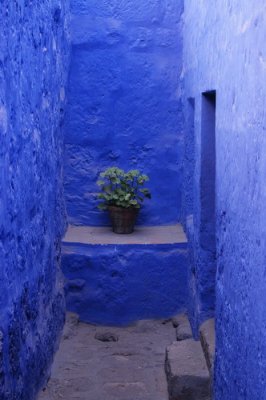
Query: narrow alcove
<point x="208" y="193"/>
<point x="208" y="171"/>
<point x="190" y="159"/>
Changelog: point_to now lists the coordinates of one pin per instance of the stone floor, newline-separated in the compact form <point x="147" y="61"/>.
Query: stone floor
<point x="128" y="366"/>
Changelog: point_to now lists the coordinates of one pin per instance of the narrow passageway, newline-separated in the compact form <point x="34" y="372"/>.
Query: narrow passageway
<point x="105" y="104"/>
<point x="127" y="365"/>
<point x="147" y="360"/>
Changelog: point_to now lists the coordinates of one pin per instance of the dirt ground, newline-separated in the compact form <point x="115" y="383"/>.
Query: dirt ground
<point x="103" y="363"/>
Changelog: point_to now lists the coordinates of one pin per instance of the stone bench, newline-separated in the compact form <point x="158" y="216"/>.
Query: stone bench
<point x="117" y="279"/>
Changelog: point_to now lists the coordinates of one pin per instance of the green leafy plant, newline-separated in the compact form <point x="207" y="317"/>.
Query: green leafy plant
<point x="122" y="189"/>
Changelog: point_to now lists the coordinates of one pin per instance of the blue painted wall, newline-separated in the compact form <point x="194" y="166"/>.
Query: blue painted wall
<point x="33" y="64"/>
<point x="120" y="284"/>
<point x="225" y="51"/>
<point x="125" y="103"/>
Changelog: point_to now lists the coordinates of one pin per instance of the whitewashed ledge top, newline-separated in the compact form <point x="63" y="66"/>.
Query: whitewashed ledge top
<point x="167" y="234"/>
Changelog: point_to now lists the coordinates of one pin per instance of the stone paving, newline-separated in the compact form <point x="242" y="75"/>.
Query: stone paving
<point x="127" y="365"/>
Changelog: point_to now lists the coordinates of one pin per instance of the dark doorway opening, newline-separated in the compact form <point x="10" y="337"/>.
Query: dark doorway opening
<point x="208" y="195"/>
<point x="190" y="158"/>
<point x="208" y="172"/>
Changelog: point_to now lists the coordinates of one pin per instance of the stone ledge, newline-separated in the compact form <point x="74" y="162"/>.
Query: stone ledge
<point x="148" y="235"/>
<point x="115" y="279"/>
<point x="186" y="371"/>
<point x="207" y="338"/>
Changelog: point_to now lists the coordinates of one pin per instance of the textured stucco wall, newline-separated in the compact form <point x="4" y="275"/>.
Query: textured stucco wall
<point x="124" y="103"/>
<point x="120" y="284"/>
<point x="225" y="50"/>
<point x="33" y="64"/>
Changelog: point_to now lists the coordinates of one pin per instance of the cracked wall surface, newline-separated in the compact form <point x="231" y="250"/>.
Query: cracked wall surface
<point x="33" y="68"/>
<point x="125" y="104"/>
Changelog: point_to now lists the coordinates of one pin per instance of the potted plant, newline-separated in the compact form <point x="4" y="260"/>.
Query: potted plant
<point x="122" y="194"/>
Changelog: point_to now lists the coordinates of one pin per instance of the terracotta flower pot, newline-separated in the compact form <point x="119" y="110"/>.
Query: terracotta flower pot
<point x="123" y="219"/>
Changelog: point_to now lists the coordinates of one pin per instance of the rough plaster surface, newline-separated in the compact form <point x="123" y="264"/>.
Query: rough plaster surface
<point x="231" y="58"/>
<point x="119" y="283"/>
<point x="125" y="103"/>
<point x="131" y="368"/>
<point x="33" y="66"/>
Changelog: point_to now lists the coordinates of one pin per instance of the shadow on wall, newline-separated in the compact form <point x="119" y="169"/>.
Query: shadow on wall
<point x="200" y="206"/>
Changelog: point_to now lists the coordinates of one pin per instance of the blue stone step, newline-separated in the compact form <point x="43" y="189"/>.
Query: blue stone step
<point x="117" y="279"/>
